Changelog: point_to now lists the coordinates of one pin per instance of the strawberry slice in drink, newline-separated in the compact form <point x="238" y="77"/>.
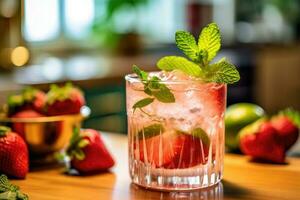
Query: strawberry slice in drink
<point x="173" y="149"/>
<point x="154" y="145"/>
<point x="158" y="150"/>
<point x="190" y="149"/>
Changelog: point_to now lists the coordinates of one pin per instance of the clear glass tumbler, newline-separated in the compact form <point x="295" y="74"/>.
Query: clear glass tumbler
<point x="180" y="145"/>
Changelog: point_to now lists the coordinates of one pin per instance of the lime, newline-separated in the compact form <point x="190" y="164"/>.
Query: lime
<point x="238" y="116"/>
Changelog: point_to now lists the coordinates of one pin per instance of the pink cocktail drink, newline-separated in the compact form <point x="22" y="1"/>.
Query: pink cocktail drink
<point x="177" y="145"/>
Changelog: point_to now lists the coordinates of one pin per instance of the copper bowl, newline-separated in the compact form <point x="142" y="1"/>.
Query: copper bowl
<point x="47" y="135"/>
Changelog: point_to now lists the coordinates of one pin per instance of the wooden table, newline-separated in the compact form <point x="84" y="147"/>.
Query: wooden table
<point x="242" y="180"/>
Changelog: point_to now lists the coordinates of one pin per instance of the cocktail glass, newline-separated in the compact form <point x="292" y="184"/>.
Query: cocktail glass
<point x="176" y="146"/>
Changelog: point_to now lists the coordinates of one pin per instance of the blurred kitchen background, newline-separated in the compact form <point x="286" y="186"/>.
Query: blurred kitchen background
<point x="95" y="42"/>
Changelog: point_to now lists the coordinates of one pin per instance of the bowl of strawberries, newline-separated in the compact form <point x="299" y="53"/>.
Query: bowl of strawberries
<point x="45" y="120"/>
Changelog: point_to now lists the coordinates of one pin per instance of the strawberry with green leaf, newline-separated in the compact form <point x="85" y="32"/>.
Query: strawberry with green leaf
<point x="260" y="140"/>
<point x="88" y="153"/>
<point x="287" y="124"/>
<point x="29" y="99"/>
<point x="65" y="100"/>
<point x="29" y="104"/>
<point x="269" y="140"/>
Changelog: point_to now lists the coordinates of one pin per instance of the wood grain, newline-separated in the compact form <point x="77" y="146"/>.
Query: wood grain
<point x="242" y="180"/>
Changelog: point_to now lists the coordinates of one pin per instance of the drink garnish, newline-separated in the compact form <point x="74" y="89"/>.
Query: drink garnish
<point x="151" y="131"/>
<point x="200" y="55"/>
<point x="200" y="133"/>
<point x="154" y="88"/>
<point x="196" y="133"/>
<point x="197" y="65"/>
<point x="10" y="191"/>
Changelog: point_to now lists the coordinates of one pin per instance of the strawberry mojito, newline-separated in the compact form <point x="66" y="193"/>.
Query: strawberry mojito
<point x="176" y="116"/>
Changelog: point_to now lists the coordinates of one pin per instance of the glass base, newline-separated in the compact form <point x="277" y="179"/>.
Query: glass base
<point x="194" y="178"/>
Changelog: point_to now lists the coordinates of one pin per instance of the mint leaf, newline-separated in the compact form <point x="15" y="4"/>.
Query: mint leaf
<point x="170" y="63"/>
<point x="8" y="195"/>
<point x="222" y="72"/>
<point x="198" y="133"/>
<point x="187" y="43"/>
<point x="10" y="191"/>
<point x="201" y="134"/>
<point x="164" y="94"/>
<point x="141" y="74"/>
<point x="147" y="90"/>
<point x="142" y="103"/>
<point x="151" y="131"/>
<point x="210" y="41"/>
<point x="21" y="196"/>
<point x="160" y="91"/>
<point x="5" y="185"/>
<point x="154" y="83"/>
<point x="153" y="87"/>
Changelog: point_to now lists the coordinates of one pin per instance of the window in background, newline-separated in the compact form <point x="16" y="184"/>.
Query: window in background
<point x="243" y="21"/>
<point x="79" y="16"/>
<point x="41" y="20"/>
<point x="160" y="19"/>
<point x="48" y="20"/>
<point x="154" y="19"/>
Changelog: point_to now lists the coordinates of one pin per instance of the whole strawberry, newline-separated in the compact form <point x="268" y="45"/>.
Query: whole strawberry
<point x="287" y="130"/>
<point x="13" y="154"/>
<point x="286" y="123"/>
<point x="64" y="100"/>
<point x="261" y="141"/>
<point x="88" y="153"/>
<point x="29" y="99"/>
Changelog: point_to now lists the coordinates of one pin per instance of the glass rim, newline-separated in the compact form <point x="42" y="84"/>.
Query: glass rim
<point x="133" y="78"/>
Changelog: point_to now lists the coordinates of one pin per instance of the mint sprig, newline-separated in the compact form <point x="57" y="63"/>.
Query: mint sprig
<point x="170" y="63"/>
<point x="153" y="88"/>
<point x="209" y="43"/>
<point x="10" y="191"/>
<point x="140" y="73"/>
<point x="187" y="43"/>
<point x="222" y="72"/>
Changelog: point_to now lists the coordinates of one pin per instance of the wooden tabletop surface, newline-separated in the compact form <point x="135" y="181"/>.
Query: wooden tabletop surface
<point x="242" y="180"/>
